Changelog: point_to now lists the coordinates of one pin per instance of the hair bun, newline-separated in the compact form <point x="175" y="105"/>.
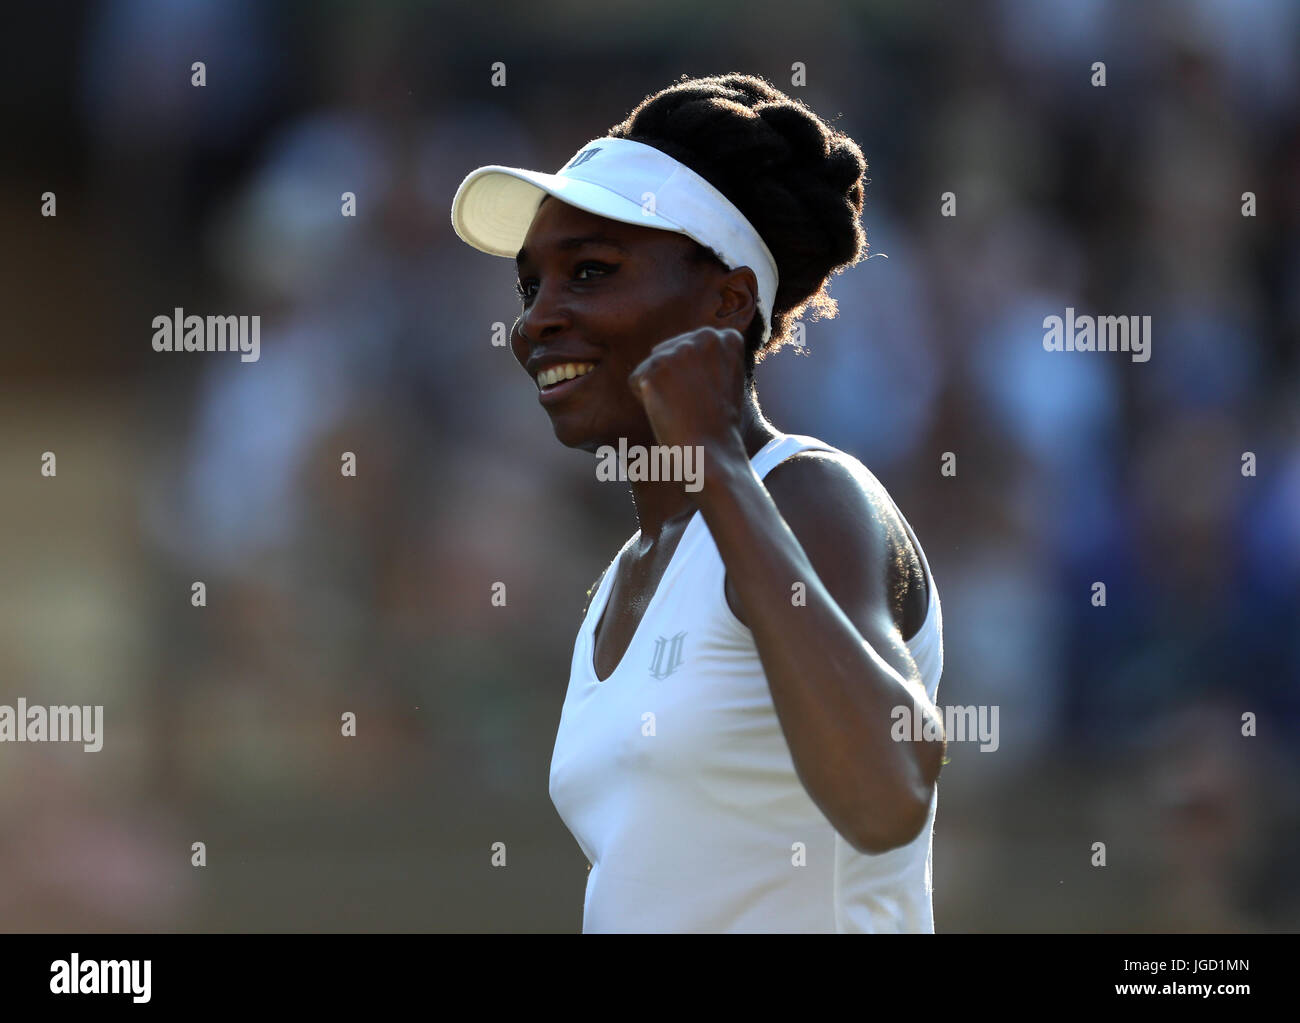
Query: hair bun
<point x="797" y="180"/>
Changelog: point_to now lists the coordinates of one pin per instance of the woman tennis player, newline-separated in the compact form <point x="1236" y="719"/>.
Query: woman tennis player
<point x="749" y="741"/>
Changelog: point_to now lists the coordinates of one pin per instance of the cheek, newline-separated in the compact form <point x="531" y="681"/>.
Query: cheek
<point x="624" y="358"/>
<point x="617" y="369"/>
<point x="517" y="344"/>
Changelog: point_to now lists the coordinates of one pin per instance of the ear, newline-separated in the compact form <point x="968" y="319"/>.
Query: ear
<point x="737" y="299"/>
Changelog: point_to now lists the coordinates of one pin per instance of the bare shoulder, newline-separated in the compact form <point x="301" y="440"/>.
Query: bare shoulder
<point x="852" y="533"/>
<point x="836" y="494"/>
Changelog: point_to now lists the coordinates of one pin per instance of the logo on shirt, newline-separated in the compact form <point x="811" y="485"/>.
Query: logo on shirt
<point x="667" y="657"/>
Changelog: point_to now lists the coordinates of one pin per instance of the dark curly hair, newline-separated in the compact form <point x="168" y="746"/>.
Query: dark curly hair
<point x="796" y="179"/>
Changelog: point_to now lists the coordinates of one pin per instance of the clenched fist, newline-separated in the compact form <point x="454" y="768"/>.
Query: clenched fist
<point x="692" y="388"/>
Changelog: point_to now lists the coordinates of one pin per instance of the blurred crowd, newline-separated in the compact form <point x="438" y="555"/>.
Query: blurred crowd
<point x="1121" y="723"/>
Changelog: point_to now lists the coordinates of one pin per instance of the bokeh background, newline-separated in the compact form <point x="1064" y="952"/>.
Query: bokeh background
<point x="326" y="594"/>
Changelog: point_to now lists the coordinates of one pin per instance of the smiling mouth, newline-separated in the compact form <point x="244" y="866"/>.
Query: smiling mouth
<point x="556" y="375"/>
<point x="555" y="384"/>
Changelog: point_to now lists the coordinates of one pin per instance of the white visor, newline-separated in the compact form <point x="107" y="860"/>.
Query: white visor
<point x="622" y="180"/>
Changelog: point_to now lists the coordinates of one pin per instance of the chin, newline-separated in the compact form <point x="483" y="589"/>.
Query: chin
<point x="583" y="436"/>
<point x="574" y="436"/>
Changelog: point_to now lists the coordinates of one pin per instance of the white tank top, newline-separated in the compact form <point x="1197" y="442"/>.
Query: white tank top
<point x="676" y="780"/>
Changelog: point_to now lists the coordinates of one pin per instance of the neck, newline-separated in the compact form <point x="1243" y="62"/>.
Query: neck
<point x="667" y="504"/>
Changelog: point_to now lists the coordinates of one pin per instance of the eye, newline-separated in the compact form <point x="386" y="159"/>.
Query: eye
<point x="602" y="269"/>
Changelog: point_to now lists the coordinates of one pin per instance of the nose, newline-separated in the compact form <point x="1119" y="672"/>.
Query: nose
<point x="545" y="315"/>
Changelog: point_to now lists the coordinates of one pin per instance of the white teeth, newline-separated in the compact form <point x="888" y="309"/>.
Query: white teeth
<point x="567" y="371"/>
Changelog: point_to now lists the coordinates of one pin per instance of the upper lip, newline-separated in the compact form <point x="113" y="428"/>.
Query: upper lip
<point x="537" y="363"/>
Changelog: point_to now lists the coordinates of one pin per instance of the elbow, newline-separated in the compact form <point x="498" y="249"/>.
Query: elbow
<point x="903" y="827"/>
<point x="911" y="802"/>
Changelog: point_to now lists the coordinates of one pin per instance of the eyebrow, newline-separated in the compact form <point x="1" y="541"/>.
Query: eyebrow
<point x="566" y="244"/>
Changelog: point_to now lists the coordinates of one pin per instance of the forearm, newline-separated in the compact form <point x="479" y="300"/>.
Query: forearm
<point x="833" y="693"/>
